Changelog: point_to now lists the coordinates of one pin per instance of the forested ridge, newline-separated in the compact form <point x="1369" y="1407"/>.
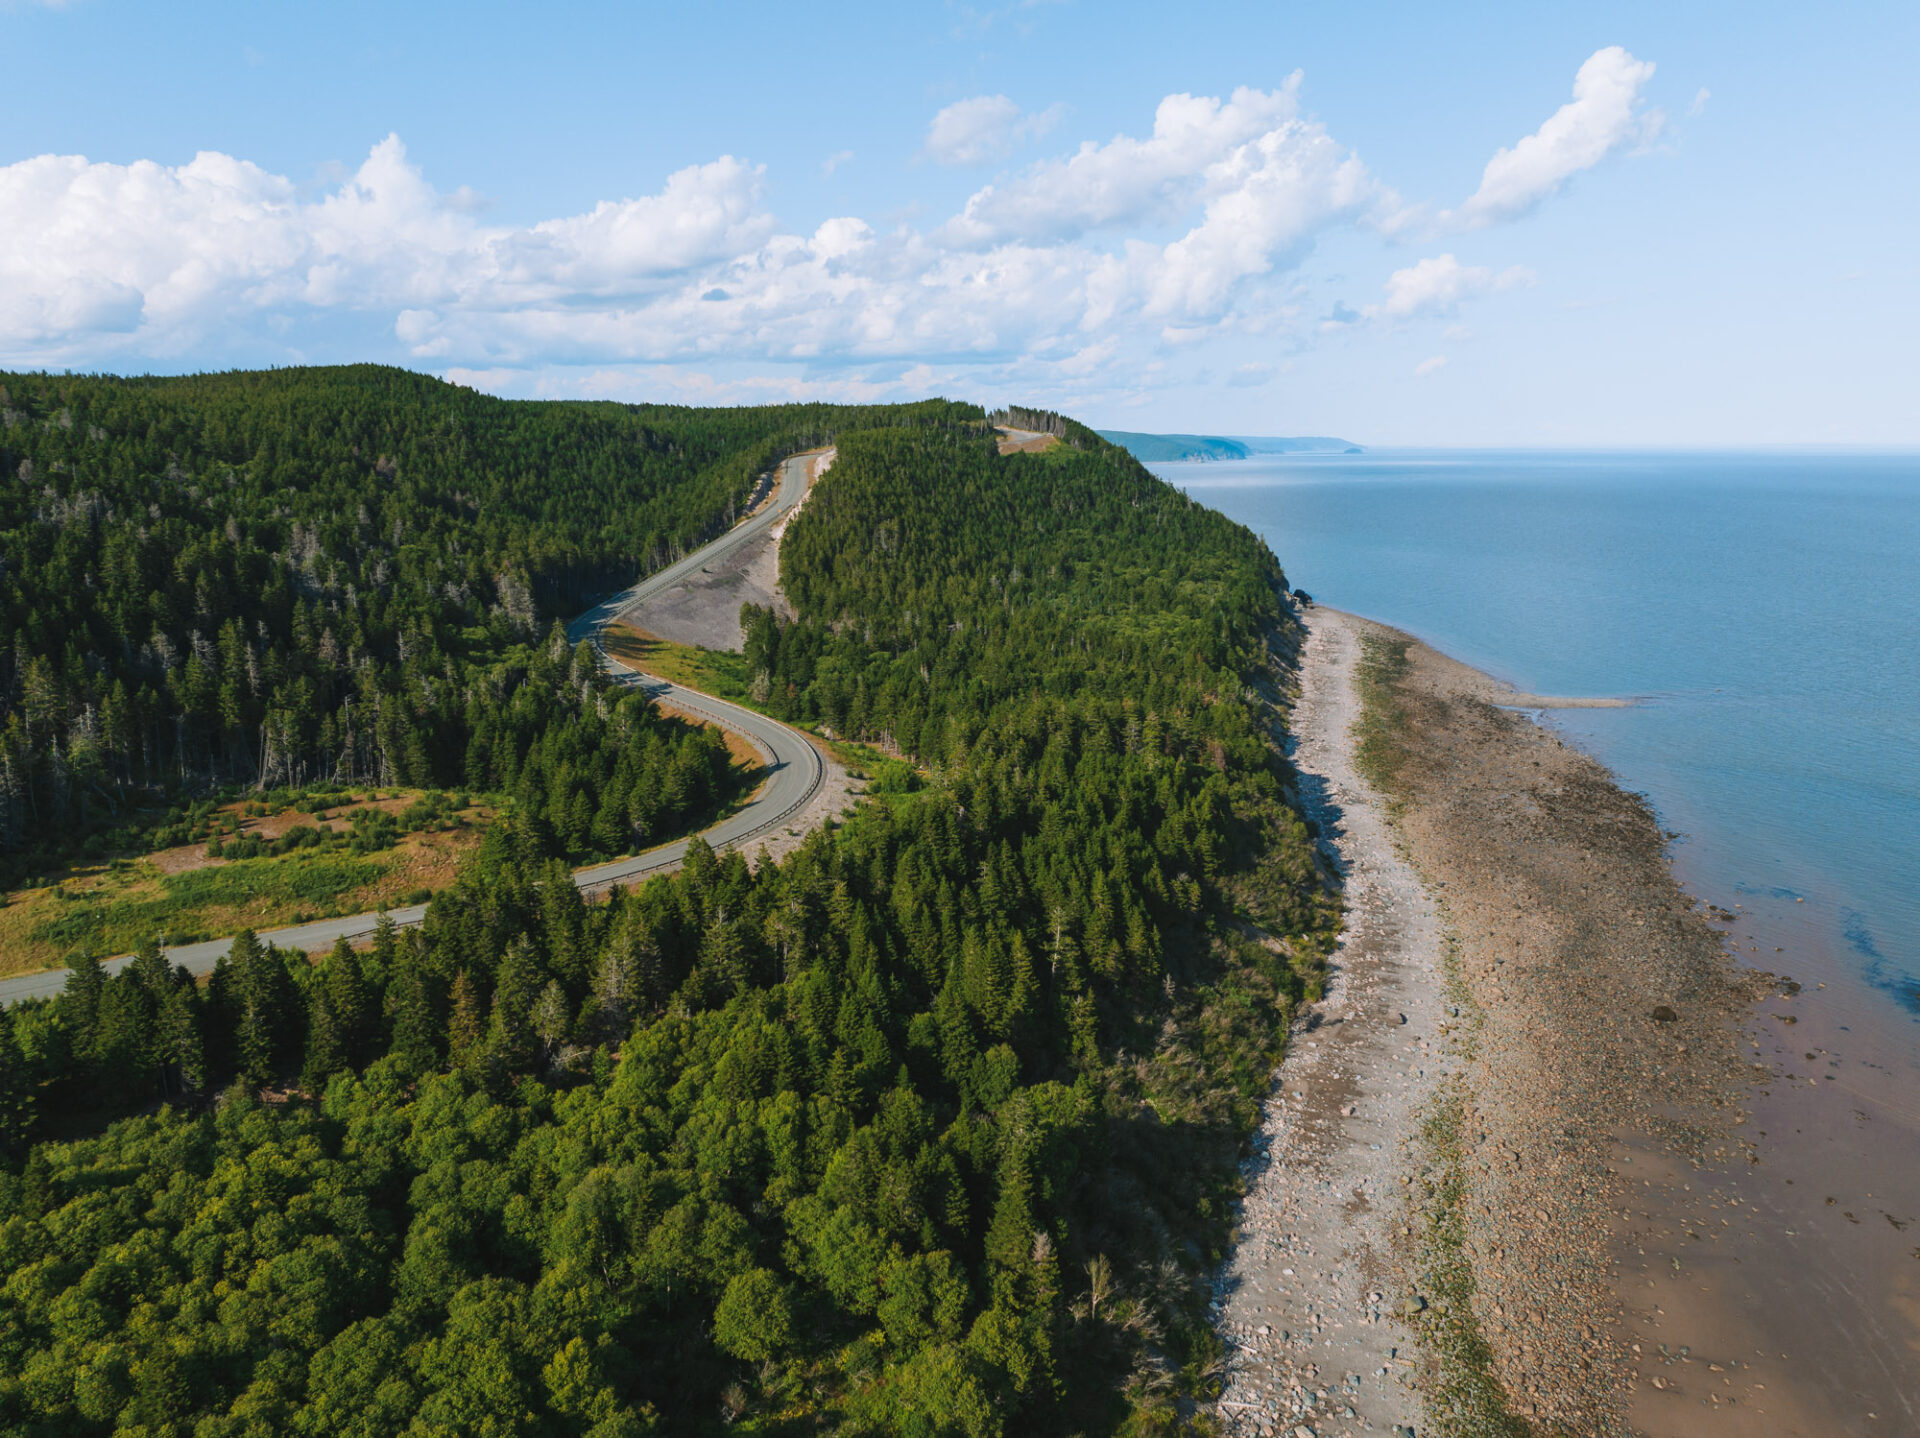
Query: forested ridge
<point x="929" y="1128"/>
<point x="332" y="575"/>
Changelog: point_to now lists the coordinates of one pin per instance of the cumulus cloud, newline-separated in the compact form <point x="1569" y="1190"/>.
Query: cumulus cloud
<point x="1605" y="114"/>
<point x="986" y="127"/>
<point x="1198" y="150"/>
<point x="1092" y="260"/>
<point x="170" y="251"/>
<point x="1438" y="285"/>
<point x="150" y="258"/>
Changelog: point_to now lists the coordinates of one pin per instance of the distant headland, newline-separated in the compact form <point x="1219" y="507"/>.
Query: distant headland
<point x="1164" y="448"/>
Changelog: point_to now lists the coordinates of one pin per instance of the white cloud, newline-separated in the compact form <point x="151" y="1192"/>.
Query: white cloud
<point x="835" y="161"/>
<point x="1081" y="267"/>
<point x="986" y="127"/>
<point x="1700" y="101"/>
<point x="1271" y="198"/>
<point x="148" y="259"/>
<point x="1438" y="286"/>
<point x="1433" y="364"/>
<point x="1605" y="115"/>
<point x="1127" y="181"/>
<point x="169" y="252"/>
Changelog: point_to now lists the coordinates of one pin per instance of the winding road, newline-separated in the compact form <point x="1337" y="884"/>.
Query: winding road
<point x="794" y="769"/>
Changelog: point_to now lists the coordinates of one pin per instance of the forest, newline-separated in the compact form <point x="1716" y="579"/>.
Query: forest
<point x="327" y="575"/>
<point x="929" y="1128"/>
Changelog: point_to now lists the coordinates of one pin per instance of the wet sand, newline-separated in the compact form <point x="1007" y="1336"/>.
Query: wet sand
<point x="1801" y="1265"/>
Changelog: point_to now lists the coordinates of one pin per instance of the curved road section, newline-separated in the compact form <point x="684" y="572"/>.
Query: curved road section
<point x="793" y="767"/>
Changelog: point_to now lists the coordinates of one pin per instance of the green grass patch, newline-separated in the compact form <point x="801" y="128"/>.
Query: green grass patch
<point x="1380" y="749"/>
<point x="115" y="922"/>
<point x="719" y="672"/>
<point x="1464" y="1398"/>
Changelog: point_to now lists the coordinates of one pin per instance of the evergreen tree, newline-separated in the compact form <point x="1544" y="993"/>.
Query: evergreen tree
<point x="510" y="1034"/>
<point x="351" y="1011"/>
<point x="151" y="971"/>
<point x="326" y="1050"/>
<point x="80" y="1007"/>
<point x="17" y="1092"/>
<point x="467" y="1022"/>
<point x="551" y="1021"/>
<point x="258" y="1014"/>
<point x="415" y="1022"/>
<point x="184" y="1050"/>
<point x="381" y="963"/>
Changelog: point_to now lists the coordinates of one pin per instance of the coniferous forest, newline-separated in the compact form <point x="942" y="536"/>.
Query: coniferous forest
<point x="929" y="1128"/>
<point x="335" y="575"/>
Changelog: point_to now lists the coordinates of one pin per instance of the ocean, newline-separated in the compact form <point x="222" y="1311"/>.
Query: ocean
<point x="1763" y="607"/>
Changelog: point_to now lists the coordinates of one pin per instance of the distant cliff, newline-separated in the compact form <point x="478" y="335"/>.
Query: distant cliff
<point x="1157" y="448"/>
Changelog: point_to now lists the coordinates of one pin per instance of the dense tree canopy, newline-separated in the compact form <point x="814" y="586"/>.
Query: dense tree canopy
<point x="929" y="1128"/>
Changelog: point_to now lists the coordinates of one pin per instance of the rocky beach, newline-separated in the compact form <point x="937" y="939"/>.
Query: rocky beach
<point x="1530" y="1050"/>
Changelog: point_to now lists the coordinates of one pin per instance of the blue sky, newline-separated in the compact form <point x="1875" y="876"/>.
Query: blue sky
<point x="1471" y="224"/>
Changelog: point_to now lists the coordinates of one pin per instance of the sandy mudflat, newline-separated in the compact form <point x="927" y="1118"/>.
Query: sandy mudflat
<point x="1572" y="1040"/>
<point x="1602" y="1016"/>
<point x="1688" y="1193"/>
<point x="1448" y="676"/>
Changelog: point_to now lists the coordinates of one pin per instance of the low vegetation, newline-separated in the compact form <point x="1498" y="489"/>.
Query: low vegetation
<point x="222" y="864"/>
<point x="1380" y="750"/>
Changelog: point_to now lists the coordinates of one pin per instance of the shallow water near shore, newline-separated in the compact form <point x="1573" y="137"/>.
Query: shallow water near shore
<point x="1766" y="609"/>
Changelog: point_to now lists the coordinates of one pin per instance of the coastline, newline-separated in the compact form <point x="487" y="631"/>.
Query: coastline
<point x="1567" y="1110"/>
<point x="1305" y="1302"/>
<point x="1599" y="1039"/>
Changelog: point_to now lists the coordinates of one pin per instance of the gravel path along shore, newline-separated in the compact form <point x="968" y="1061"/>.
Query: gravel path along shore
<point x="1308" y="1301"/>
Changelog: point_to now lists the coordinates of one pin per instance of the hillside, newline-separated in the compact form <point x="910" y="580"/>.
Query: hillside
<point x="272" y="581"/>
<point x="931" y="1126"/>
<point x="1168" y="448"/>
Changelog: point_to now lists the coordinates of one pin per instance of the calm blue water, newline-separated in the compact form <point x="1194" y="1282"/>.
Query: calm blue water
<point x="1766" y="605"/>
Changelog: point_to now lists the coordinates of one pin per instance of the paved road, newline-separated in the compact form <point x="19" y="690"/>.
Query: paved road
<point x="794" y="769"/>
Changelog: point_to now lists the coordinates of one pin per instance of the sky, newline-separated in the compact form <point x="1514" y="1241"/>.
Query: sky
<point x="1668" y="224"/>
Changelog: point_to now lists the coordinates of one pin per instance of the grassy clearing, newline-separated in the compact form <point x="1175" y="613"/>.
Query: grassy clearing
<point x="719" y="672"/>
<point x="185" y="894"/>
<point x="723" y="674"/>
<point x="1042" y="445"/>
